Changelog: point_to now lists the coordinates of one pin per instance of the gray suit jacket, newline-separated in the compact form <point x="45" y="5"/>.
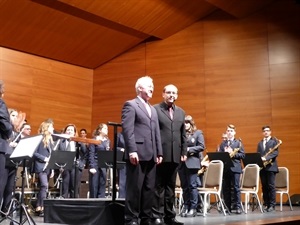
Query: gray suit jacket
<point x="173" y="135"/>
<point x="140" y="131"/>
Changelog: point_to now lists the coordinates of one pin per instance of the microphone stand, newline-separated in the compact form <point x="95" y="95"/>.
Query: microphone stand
<point x="114" y="189"/>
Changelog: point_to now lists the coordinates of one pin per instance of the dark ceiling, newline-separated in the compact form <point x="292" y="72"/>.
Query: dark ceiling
<point x="89" y="33"/>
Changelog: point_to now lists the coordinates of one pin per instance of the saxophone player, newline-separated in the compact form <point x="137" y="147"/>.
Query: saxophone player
<point x="268" y="173"/>
<point x="232" y="174"/>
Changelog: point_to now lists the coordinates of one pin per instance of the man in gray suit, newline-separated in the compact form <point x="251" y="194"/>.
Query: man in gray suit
<point x="173" y="136"/>
<point x="143" y="151"/>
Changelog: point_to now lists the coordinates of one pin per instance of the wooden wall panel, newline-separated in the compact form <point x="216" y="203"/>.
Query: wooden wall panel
<point x="244" y="72"/>
<point x="179" y="60"/>
<point x="47" y="89"/>
<point x="114" y="84"/>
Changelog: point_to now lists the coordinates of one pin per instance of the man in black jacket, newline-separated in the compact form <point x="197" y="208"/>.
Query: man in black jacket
<point x="5" y="132"/>
<point x="173" y="138"/>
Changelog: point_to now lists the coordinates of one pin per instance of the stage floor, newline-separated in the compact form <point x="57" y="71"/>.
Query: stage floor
<point x="214" y="217"/>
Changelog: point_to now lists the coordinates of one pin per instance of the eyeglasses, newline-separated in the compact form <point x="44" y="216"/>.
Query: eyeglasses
<point x="267" y="130"/>
<point x="171" y="92"/>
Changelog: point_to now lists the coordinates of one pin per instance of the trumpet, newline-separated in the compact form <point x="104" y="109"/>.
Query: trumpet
<point x="267" y="162"/>
<point x="203" y="168"/>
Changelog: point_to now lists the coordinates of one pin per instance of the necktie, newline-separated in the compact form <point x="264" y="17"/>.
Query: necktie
<point x="265" y="143"/>
<point x="171" y="113"/>
<point x="148" y="108"/>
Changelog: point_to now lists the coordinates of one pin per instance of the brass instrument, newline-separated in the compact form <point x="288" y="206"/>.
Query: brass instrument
<point x="236" y="150"/>
<point x="233" y="153"/>
<point x="203" y="168"/>
<point x="267" y="162"/>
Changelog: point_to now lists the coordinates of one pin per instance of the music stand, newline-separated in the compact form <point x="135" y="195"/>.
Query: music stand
<point x="253" y="158"/>
<point x="24" y="152"/>
<point x="106" y="160"/>
<point x="62" y="160"/>
<point x="223" y="156"/>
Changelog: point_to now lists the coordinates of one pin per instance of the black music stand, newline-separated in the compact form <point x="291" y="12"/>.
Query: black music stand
<point x="62" y="160"/>
<point x="24" y="152"/>
<point x="253" y="158"/>
<point x="223" y="156"/>
<point x="106" y="160"/>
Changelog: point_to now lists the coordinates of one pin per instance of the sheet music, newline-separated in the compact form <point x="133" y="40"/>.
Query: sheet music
<point x="26" y="147"/>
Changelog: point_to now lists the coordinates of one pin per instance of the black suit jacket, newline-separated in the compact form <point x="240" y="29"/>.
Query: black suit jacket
<point x="40" y="155"/>
<point x="273" y="156"/>
<point x="173" y="134"/>
<point x="195" y="143"/>
<point x="236" y="160"/>
<point x="5" y="127"/>
<point x="140" y="131"/>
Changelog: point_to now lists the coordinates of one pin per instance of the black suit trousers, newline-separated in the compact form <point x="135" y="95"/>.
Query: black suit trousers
<point x="165" y="191"/>
<point x="140" y="184"/>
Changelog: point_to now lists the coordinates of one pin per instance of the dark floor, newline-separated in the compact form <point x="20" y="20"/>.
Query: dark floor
<point x="214" y="217"/>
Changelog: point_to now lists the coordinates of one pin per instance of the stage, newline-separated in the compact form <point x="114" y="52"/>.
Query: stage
<point x="213" y="218"/>
<point x="84" y="211"/>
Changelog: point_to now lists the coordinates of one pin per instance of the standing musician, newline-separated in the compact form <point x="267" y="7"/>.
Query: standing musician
<point x="41" y="157"/>
<point x="68" y="176"/>
<point x="232" y="175"/>
<point x="269" y="152"/>
<point x="5" y="133"/>
<point x="9" y="176"/>
<point x="188" y="170"/>
<point x="97" y="175"/>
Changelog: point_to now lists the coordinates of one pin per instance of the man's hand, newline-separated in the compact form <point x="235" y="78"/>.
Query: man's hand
<point x="134" y="158"/>
<point x="159" y="160"/>
<point x="183" y="158"/>
<point x="93" y="171"/>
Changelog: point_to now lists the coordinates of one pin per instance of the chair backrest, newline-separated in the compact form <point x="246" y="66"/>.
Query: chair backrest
<point x="250" y="177"/>
<point x="214" y="174"/>
<point x="282" y="178"/>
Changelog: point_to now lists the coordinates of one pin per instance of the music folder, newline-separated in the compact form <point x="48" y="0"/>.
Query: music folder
<point x="26" y="148"/>
<point x="253" y="158"/>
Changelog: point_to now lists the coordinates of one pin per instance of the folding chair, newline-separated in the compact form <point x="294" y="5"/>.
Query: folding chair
<point x="282" y="185"/>
<point x="213" y="185"/>
<point x="250" y="184"/>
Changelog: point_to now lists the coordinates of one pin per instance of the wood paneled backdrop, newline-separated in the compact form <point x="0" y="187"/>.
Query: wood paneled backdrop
<point x="245" y="72"/>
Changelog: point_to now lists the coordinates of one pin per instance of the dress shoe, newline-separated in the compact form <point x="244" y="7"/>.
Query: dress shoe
<point x="271" y="209"/>
<point x="184" y="211"/>
<point x="41" y="214"/>
<point x="173" y="222"/>
<point x="132" y="223"/>
<point x="191" y="213"/>
<point x="146" y="222"/>
<point x="238" y="211"/>
<point x="158" y="221"/>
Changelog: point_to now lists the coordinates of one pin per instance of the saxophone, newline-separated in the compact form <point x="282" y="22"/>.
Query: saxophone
<point x="203" y="168"/>
<point x="267" y="162"/>
<point x="235" y="150"/>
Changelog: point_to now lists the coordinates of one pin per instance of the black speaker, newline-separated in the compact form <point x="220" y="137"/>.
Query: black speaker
<point x="295" y="199"/>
